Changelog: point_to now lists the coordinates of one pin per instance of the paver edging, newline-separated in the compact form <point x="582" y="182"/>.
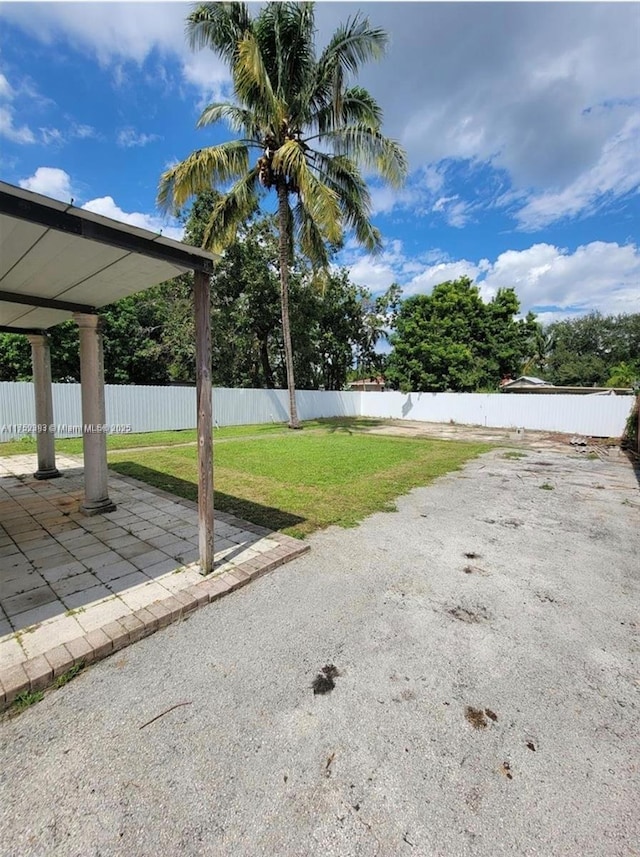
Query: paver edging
<point x="41" y="671"/>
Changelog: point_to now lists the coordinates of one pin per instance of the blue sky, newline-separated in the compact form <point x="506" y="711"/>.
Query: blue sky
<point x="521" y="121"/>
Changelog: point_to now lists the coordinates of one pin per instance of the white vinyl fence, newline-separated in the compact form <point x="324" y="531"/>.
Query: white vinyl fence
<point x="165" y="408"/>
<point x="595" y="416"/>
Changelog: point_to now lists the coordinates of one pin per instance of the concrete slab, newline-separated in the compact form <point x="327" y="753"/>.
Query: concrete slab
<point x="64" y="576"/>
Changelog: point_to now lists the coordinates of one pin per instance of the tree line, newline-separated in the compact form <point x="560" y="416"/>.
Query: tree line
<point x="450" y="339"/>
<point x="453" y="340"/>
<point x="149" y="338"/>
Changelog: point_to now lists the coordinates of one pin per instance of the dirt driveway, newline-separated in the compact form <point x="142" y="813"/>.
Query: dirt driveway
<point x="513" y="438"/>
<point x="487" y="703"/>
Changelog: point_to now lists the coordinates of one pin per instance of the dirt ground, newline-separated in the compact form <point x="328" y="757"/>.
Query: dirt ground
<point x="524" y="438"/>
<point x="483" y="642"/>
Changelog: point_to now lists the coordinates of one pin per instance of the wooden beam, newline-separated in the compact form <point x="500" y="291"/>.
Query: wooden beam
<point x="46" y="303"/>
<point x="27" y="331"/>
<point x="201" y="298"/>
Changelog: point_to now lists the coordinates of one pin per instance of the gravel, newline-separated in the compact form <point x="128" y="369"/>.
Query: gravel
<point x="485" y="639"/>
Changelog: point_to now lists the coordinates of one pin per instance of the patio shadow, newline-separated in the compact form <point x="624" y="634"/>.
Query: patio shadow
<point x="357" y="425"/>
<point x="255" y="513"/>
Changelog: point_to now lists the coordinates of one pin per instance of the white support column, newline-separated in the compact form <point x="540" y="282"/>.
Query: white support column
<point x="94" y="439"/>
<point x="45" y="439"/>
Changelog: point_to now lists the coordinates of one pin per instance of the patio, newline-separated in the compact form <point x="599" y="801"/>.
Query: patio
<point x="75" y="588"/>
<point x="61" y="262"/>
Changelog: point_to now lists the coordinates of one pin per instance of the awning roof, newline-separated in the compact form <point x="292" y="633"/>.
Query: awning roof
<point x="56" y="259"/>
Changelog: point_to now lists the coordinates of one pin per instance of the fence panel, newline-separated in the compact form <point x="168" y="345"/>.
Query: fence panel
<point x="167" y="408"/>
<point x="597" y="416"/>
<point x="232" y="407"/>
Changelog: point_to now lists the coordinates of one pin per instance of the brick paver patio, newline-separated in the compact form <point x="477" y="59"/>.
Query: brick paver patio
<point x="74" y="589"/>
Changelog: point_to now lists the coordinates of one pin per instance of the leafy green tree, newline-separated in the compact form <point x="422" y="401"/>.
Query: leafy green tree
<point x="132" y="337"/>
<point x="329" y="325"/>
<point x="453" y="340"/>
<point x="379" y="316"/>
<point x="312" y="131"/>
<point x="332" y="329"/>
<point x="585" y="351"/>
<point x="624" y="375"/>
<point x="15" y="357"/>
<point x="537" y="360"/>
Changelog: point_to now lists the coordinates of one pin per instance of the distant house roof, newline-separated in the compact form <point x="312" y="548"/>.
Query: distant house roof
<point x="368" y="384"/>
<point x="526" y="381"/>
<point x="526" y="384"/>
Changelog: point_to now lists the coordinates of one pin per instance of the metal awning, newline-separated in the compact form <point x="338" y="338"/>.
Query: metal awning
<point x="57" y="259"/>
<point x="58" y="262"/>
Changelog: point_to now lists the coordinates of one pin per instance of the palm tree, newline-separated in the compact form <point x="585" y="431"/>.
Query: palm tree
<point x="311" y="132"/>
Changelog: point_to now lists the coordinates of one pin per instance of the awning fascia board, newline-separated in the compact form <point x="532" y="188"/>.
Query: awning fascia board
<point x="46" y="303"/>
<point x="27" y="331"/>
<point x="51" y="217"/>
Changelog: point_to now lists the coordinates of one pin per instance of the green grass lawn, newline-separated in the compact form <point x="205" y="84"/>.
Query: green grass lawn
<point x="333" y="472"/>
<point x="73" y="445"/>
<point x="299" y="482"/>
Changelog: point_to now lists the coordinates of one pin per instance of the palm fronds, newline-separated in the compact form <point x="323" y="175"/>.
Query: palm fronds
<point x="285" y="97"/>
<point x="203" y="169"/>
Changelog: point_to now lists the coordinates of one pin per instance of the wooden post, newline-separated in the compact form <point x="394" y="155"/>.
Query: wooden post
<point x="201" y="298"/>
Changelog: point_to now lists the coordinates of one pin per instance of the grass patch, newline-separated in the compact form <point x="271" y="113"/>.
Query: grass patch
<point x="65" y="678"/>
<point x="74" y="611"/>
<point x="73" y="445"/>
<point x="512" y="453"/>
<point x="299" y="482"/>
<point x="26" y="699"/>
<point x="546" y="486"/>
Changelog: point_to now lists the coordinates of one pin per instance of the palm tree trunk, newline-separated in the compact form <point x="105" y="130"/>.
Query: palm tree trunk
<point x="283" y="224"/>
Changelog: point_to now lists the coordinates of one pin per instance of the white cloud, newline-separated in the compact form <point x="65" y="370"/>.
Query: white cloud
<point x="107" y="207"/>
<point x="391" y="266"/>
<point x="120" y="33"/>
<point x="601" y="276"/>
<point x="372" y="274"/>
<point x="6" y="90"/>
<point x="56" y="183"/>
<point x="84" y="132"/>
<point x="75" y="131"/>
<point x="544" y="93"/>
<point x="431" y="276"/>
<point x="51" y="135"/>
<point x="129" y="137"/>
<point x="8" y="128"/>
<point x="50" y="181"/>
<point x="423" y="195"/>
<point x="205" y="71"/>
<point x="616" y="173"/>
<point x="108" y="30"/>
<point x="456" y="211"/>
<point x="541" y="92"/>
